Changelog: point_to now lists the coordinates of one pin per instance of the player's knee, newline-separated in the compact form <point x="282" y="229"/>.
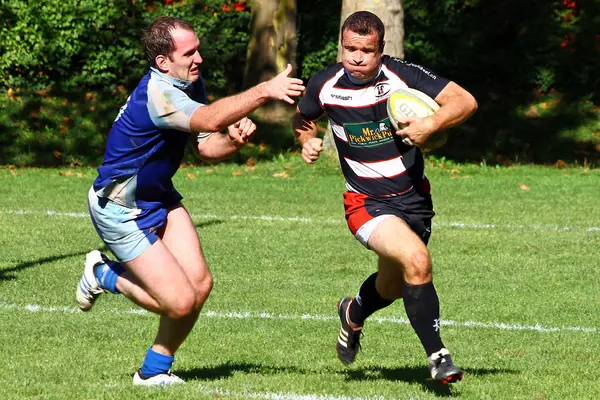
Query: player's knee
<point x="184" y="306"/>
<point x="419" y="270"/>
<point x="202" y="288"/>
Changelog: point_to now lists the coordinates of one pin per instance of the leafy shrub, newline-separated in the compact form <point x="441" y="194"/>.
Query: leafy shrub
<point x="67" y="45"/>
<point x="38" y="129"/>
<point x="66" y="67"/>
<point x="318" y="25"/>
<point x="223" y="32"/>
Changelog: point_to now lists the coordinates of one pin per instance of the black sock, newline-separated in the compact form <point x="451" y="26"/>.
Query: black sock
<point x="367" y="302"/>
<point x="423" y="310"/>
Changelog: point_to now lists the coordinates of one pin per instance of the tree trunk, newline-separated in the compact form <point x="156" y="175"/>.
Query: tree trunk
<point x="271" y="47"/>
<point x="391" y="13"/>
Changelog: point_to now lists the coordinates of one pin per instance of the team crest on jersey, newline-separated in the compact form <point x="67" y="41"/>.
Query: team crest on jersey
<point x="381" y="89"/>
<point x="369" y="134"/>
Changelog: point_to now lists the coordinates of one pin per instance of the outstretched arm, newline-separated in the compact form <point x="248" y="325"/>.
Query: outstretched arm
<point x="224" y="112"/>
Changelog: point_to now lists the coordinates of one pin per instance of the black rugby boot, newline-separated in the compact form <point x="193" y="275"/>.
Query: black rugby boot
<point x="348" y="342"/>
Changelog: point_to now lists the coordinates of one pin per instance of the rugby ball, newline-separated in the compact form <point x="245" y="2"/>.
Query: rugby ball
<point x="410" y="103"/>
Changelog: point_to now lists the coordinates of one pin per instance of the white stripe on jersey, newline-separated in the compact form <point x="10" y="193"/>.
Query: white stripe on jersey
<point x="350" y="188"/>
<point x="394" y="80"/>
<point x="324" y="93"/>
<point x="376" y="170"/>
<point x="361" y="97"/>
<point x="338" y="130"/>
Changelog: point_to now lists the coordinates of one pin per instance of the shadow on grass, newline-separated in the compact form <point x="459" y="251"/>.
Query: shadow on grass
<point x="418" y="375"/>
<point x="9" y="274"/>
<point x="209" y="223"/>
<point x="227" y="370"/>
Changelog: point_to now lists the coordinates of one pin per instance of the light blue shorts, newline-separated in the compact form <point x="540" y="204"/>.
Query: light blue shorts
<point x="127" y="232"/>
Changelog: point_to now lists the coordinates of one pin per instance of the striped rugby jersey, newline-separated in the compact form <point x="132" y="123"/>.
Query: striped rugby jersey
<point x="373" y="159"/>
<point x="147" y="141"/>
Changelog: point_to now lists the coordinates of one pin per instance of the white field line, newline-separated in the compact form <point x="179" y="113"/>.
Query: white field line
<point x="219" y="392"/>
<point x="298" y="317"/>
<point x="280" y="396"/>
<point x="460" y="225"/>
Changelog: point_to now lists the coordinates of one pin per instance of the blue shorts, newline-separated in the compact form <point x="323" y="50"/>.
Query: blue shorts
<point x="127" y="232"/>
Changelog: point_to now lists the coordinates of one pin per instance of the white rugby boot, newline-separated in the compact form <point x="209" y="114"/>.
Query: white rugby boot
<point x="442" y="367"/>
<point x="166" y="379"/>
<point x="89" y="289"/>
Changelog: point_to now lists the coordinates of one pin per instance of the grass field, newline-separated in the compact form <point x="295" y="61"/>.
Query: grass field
<point x="516" y="259"/>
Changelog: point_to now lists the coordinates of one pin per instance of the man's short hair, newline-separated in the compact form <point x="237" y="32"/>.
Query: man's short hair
<point x="365" y="23"/>
<point x="157" y="39"/>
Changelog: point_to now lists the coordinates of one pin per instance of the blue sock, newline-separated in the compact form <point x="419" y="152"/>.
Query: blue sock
<point x="107" y="275"/>
<point x="156" y="363"/>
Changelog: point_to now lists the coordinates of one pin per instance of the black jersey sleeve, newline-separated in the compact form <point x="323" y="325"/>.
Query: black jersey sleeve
<point x="310" y="105"/>
<point x="417" y="76"/>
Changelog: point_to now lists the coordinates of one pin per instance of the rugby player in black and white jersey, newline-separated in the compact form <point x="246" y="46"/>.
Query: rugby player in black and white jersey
<point x="387" y="203"/>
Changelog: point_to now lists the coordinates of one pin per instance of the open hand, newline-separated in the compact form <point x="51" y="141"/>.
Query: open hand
<point x="282" y="87"/>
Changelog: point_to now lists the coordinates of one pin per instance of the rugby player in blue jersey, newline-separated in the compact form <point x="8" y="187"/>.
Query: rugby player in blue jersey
<point x="387" y="202"/>
<point x="135" y="208"/>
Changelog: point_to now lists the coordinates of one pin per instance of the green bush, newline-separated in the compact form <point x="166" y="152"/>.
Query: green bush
<point x="318" y="26"/>
<point x="37" y="129"/>
<point x="66" y="68"/>
<point x="95" y="45"/>
<point x="67" y="45"/>
<point x="223" y="37"/>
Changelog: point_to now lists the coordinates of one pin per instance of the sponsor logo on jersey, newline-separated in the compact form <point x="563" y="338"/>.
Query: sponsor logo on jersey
<point x="381" y="89"/>
<point x="341" y="97"/>
<point x="369" y="134"/>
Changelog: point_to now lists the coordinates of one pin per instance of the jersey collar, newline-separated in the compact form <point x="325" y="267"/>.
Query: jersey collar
<point x="186" y="86"/>
<point x="362" y="81"/>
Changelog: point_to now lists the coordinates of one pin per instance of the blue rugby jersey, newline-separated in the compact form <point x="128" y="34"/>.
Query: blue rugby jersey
<point x="147" y="141"/>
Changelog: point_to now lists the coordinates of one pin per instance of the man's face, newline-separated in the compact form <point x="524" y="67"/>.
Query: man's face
<point x="185" y="61"/>
<point x="361" y="54"/>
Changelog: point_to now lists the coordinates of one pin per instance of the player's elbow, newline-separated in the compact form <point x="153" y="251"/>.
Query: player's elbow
<point x="207" y="125"/>
<point x="212" y="152"/>
<point x="204" y="120"/>
<point x="471" y="103"/>
<point x="206" y="154"/>
<point x="217" y="125"/>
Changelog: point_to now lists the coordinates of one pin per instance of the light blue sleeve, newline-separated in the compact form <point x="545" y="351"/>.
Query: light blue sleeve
<point x="170" y="107"/>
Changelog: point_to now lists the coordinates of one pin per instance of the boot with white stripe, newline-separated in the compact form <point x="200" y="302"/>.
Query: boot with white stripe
<point x="348" y="342"/>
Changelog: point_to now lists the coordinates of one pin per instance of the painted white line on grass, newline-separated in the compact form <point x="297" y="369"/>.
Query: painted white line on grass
<point x="460" y="225"/>
<point x="247" y="394"/>
<point x="281" y="396"/>
<point x="267" y="315"/>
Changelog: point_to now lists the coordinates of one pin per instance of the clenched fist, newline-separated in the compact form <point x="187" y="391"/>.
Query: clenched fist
<point x="312" y="149"/>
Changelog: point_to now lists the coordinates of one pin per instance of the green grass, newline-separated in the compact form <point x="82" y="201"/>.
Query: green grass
<point x="516" y="246"/>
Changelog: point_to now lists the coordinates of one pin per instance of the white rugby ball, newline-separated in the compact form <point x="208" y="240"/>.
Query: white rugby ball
<point x="410" y="103"/>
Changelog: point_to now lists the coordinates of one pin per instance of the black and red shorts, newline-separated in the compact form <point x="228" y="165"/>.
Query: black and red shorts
<point x="364" y="212"/>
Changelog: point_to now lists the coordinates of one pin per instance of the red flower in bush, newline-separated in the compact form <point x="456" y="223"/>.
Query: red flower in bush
<point x="237" y="6"/>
